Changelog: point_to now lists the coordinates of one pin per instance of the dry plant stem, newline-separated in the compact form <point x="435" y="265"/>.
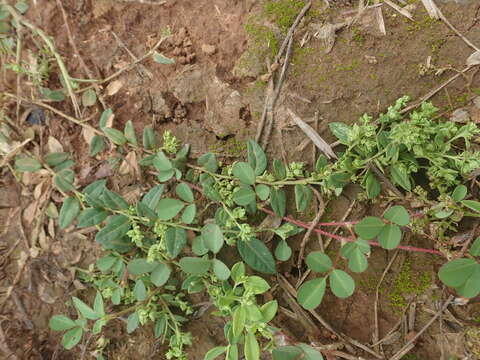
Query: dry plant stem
<point x="128" y="67"/>
<point x="449" y="24"/>
<point x="18" y="60"/>
<point x="56" y="111"/>
<point x="313" y="224"/>
<point x="271" y="110"/>
<point x="344" y="217"/>
<point x="266" y="105"/>
<point x="394" y="327"/>
<point x="14" y="283"/>
<point x="77" y="53"/>
<point x="143" y="71"/>
<point x="21" y="310"/>
<point x="9" y="354"/>
<point x="63" y="69"/>
<point x="375" y="305"/>
<point x="436" y="90"/>
<point x="386" y="181"/>
<point x="409" y="345"/>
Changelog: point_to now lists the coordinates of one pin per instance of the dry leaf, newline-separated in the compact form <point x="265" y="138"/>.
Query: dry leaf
<point x="312" y="134"/>
<point x="397" y="8"/>
<point x="88" y="133"/>
<point x="30" y="212"/>
<point x="474" y="59"/>
<point x="432" y="9"/>
<point x="101" y="7"/>
<point x="54" y="145"/>
<point x="327" y="34"/>
<point x="114" y="87"/>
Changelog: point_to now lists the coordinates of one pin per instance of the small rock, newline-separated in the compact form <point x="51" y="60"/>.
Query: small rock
<point x="189" y="86"/>
<point x="476" y="101"/>
<point x="460" y="116"/>
<point x="209" y="49"/>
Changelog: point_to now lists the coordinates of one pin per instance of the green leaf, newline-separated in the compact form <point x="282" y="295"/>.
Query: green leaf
<point x="244" y="172"/>
<point x="238" y="320"/>
<point x="256" y="157"/>
<point x="232" y="352"/>
<point x="251" y="348"/>
<point x="310" y="353"/>
<point x="184" y="192"/>
<point x="443" y="213"/>
<point x="27" y="164"/>
<point x="321" y="163"/>
<point x="61" y="323"/>
<point x="140" y="266"/>
<point x="129" y="132"/>
<point x="287" y="230"/>
<point x="475" y="248"/>
<point x="283" y="251"/>
<point x="72" y="338"/>
<point x="116" y="228"/>
<point x="279" y="170"/>
<point x="160" y="274"/>
<point x="198" y="246"/>
<point x="21" y="6"/>
<point x="93" y="193"/>
<point x="96" y="145"/>
<point x="390" y="236"/>
<point x="69" y="211"/>
<point x="357" y="262"/>
<point x="132" y="322"/>
<point x="98" y="325"/>
<point x="459" y="193"/>
<point x="303" y="196"/>
<point x="221" y="271"/>
<point x="162" y="162"/>
<point x="263" y="191"/>
<point x="161" y="59"/>
<point x="212" y="237"/>
<point x="341" y="284"/>
<point x="189" y="214"/>
<point x="84" y="309"/>
<point x="65" y="165"/>
<point x="369" y="227"/>
<point x="106" y="114"/>
<point x="175" y="241"/>
<point x="89" y="97"/>
<point x="196" y="266"/>
<point x="115" y="136"/>
<point x="139" y="290"/>
<point x="54" y="95"/>
<point x="471" y="204"/>
<point x="114" y="201"/>
<point x="288" y="352"/>
<point x="256" y="285"/>
<point x="471" y="287"/>
<point x="169" y="208"/>
<point x="64" y="180"/>
<point x="319" y="262"/>
<point x="456" y="272"/>
<point x="257" y="256"/>
<point x="149" y="139"/>
<point x="341" y="131"/>
<point x="208" y="162"/>
<point x="311" y="292"/>
<point x="215" y="352"/>
<point x="372" y="186"/>
<point x="105" y="263"/>
<point x="244" y="196"/>
<point x="278" y="201"/>
<point x="153" y="196"/>
<point x="98" y="306"/>
<point x="398" y="215"/>
<point x="238" y="271"/>
<point x="400" y="177"/>
<point x="269" y="310"/>
<point x="56" y="158"/>
<point x="160" y="326"/>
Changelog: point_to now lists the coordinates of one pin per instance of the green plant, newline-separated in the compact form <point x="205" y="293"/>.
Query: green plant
<point x="162" y="248"/>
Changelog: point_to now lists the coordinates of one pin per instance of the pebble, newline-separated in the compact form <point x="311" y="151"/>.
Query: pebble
<point x="460" y="116"/>
<point x="209" y="49"/>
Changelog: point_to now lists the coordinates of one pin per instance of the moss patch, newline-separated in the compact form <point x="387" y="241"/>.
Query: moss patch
<point x="283" y="12"/>
<point x="406" y="285"/>
<point x="232" y="147"/>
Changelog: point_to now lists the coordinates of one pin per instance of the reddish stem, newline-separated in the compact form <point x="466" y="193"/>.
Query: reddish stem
<point x="351" y="239"/>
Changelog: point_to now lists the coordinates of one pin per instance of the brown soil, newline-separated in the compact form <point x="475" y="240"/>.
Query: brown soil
<point x="364" y="72"/>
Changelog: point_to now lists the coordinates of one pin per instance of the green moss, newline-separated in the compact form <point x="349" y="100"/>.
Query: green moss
<point x="357" y="36"/>
<point x="349" y="67"/>
<point x="232" y="147"/>
<point x="425" y="23"/>
<point x="406" y="285"/>
<point x="263" y="37"/>
<point x="436" y="44"/>
<point x="283" y="12"/>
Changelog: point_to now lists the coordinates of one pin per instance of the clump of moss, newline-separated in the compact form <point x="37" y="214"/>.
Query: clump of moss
<point x="426" y="23"/>
<point x="283" y="12"/>
<point x="407" y="285"/>
<point x="357" y="36"/>
<point x="473" y="340"/>
<point x="263" y="37"/>
<point x="232" y="147"/>
<point x="349" y="67"/>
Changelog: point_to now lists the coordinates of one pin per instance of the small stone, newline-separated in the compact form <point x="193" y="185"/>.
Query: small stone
<point x="209" y="49"/>
<point x="460" y="116"/>
<point x="476" y="101"/>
